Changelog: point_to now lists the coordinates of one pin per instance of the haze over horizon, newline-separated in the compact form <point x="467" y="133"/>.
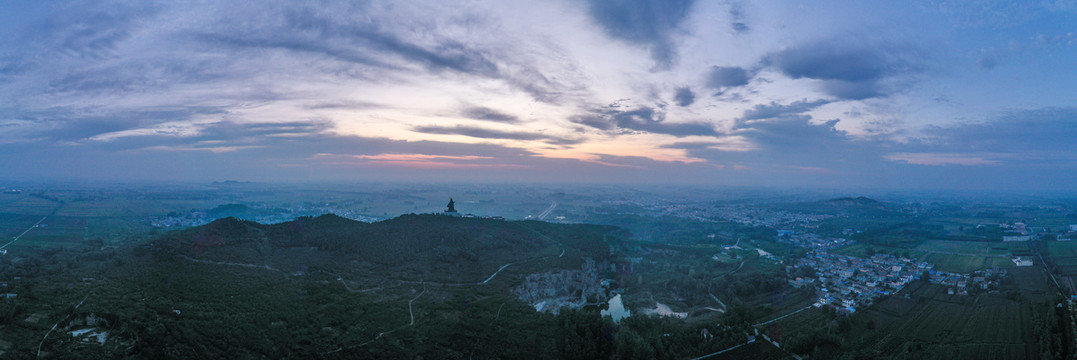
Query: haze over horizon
<point x="895" y="94"/>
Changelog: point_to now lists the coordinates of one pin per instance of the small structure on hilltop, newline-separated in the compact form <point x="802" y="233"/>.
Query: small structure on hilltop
<point x="451" y="210"/>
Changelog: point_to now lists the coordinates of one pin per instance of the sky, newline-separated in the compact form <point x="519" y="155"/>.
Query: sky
<point x="882" y="94"/>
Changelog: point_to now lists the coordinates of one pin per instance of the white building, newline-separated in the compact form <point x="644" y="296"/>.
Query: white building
<point x="1022" y="261"/>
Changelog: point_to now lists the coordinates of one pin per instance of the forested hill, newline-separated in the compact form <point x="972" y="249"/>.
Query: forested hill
<point x="434" y="246"/>
<point x="430" y="286"/>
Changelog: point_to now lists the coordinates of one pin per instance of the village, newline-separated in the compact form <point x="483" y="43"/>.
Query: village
<point x="848" y="283"/>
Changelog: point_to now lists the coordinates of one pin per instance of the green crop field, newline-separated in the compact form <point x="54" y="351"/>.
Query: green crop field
<point x="1063" y="254"/>
<point x="924" y="319"/>
<point x="967" y="263"/>
<point x="947" y="255"/>
<point x="989" y="326"/>
<point x="960" y="247"/>
<point x="863" y="250"/>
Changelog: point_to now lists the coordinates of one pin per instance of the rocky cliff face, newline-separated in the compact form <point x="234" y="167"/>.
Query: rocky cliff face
<point x="552" y="291"/>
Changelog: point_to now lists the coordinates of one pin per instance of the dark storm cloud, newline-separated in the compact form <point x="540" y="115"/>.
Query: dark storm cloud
<point x="774" y="109"/>
<point x="488" y="114"/>
<point x="849" y="72"/>
<point x="684" y="96"/>
<point x="727" y="76"/>
<point x="484" y="133"/>
<point x="643" y="119"/>
<point x="644" y="22"/>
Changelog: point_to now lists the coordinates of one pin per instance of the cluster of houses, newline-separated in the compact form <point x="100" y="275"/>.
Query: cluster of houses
<point x="847" y="282"/>
<point x="1019" y="231"/>
<point x="1069" y="234"/>
<point x="813" y="241"/>
<point x="960" y="284"/>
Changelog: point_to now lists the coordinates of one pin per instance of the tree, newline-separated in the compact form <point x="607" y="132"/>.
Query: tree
<point x="584" y="335"/>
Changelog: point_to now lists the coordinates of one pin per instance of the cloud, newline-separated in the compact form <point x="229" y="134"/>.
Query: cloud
<point x="484" y="133"/>
<point x="793" y="134"/>
<point x="774" y="109"/>
<point x="1025" y="137"/>
<point x="831" y="62"/>
<point x="87" y="30"/>
<point x="385" y="46"/>
<point x="849" y="71"/>
<point x="689" y="145"/>
<point x="644" y="22"/>
<point x="732" y="143"/>
<point x="941" y="159"/>
<point x="418" y="157"/>
<point x="416" y="161"/>
<point x="850" y="90"/>
<point x="684" y="96"/>
<point x="740" y="27"/>
<point x="642" y="119"/>
<point x="488" y="114"/>
<point x="736" y="15"/>
<point x="265" y="159"/>
<point x="727" y="76"/>
<point x="305" y="30"/>
<point x="69" y="125"/>
<point x="1020" y="149"/>
<point x="789" y="144"/>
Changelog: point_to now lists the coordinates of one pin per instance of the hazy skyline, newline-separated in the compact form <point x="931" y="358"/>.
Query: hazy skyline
<point x="920" y="94"/>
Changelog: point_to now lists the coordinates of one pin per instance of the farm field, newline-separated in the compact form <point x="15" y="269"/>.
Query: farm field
<point x="964" y="264"/>
<point x="953" y="256"/>
<point x="966" y="256"/>
<point x="925" y="319"/>
<point x="1063" y="254"/>
<point x="963" y="248"/>
<point x="863" y="250"/>
<point x="988" y="326"/>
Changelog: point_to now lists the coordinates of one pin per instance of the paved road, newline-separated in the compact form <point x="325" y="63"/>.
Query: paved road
<point x="411" y="313"/>
<point x="544" y="214"/>
<point x="57" y="324"/>
<point x="495" y="274"/>
<point x="784" y="316"/>
<point x="723" y="351"/>
<point x="24" y="232"/>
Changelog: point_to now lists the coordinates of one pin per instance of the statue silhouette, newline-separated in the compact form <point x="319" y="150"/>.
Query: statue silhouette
<point x="452" y="207"/>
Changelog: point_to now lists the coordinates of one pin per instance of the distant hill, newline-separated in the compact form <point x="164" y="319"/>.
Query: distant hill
<point x="229" y="210"/>
<point x="851" y="201"/>
<point x="434" y="246"/>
